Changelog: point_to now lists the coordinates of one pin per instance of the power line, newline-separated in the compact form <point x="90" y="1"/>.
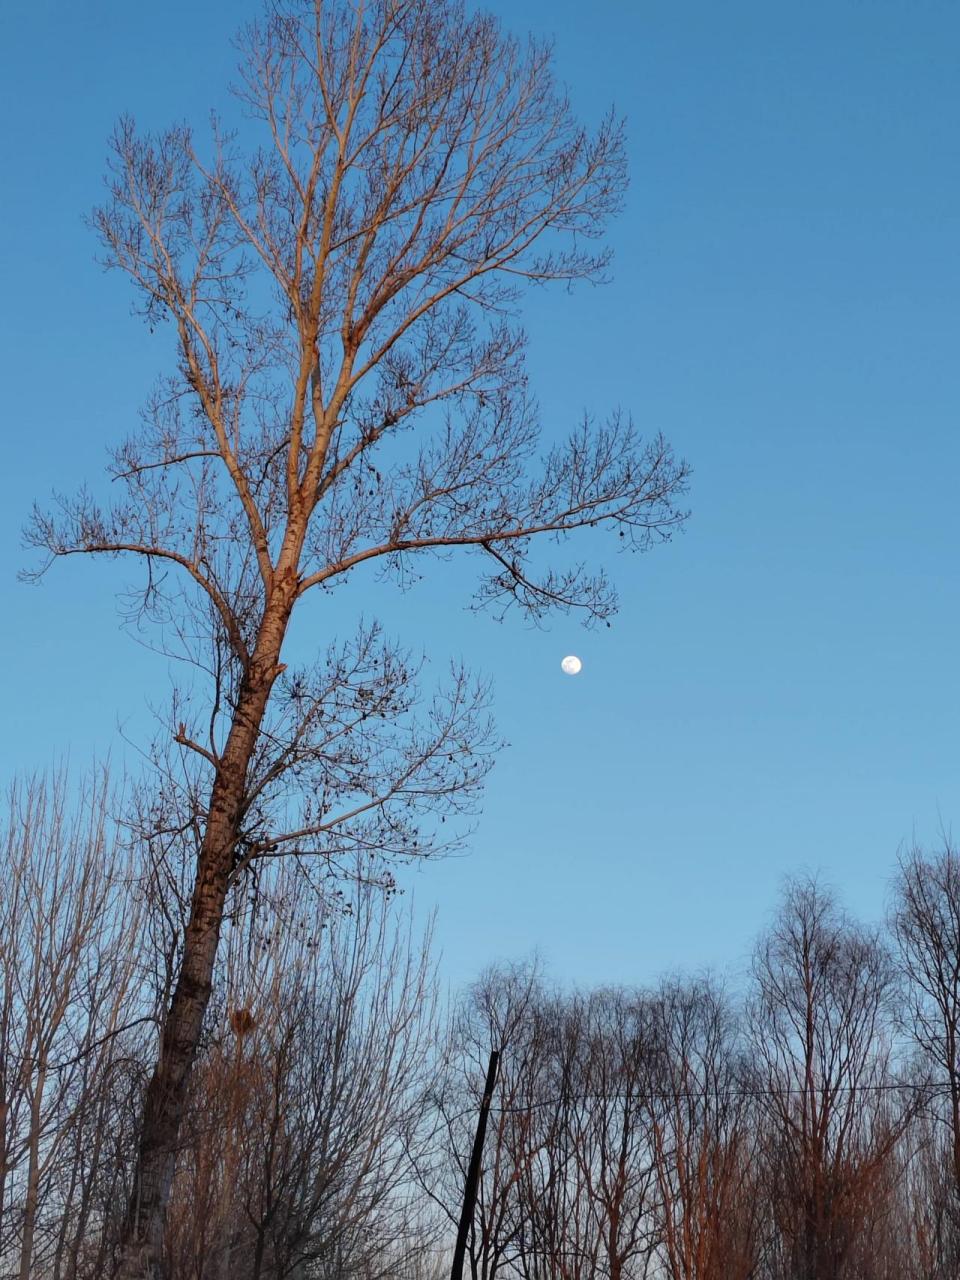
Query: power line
<point x="726" y="1095"/>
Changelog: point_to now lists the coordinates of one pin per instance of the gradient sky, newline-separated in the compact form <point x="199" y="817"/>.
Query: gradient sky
<point x="781" y="689"/>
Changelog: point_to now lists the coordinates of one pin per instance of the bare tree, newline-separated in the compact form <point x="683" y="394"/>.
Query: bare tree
<point x="508" y="1009"/>
<point x="926" y="925"/>
<point x="307" y="1103"/>
<point x="566" y="1189"/>
<point x="821" y="1019"/>
<point x="348" y="392"/>
<point x="68" y="993"/>
<point x="590" y="1195"/>
<point x="613" y="1129"/>
<point x="703" y="1137"/>
<point x="559" y="1239"/>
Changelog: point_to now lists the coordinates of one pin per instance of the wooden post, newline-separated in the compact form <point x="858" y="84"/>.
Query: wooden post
<point x="473" y="1171"/>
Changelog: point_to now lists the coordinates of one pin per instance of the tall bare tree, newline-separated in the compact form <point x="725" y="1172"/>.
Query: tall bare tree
<point x="348" y="391"/>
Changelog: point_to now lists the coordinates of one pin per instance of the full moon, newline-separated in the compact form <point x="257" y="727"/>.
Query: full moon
<point x="571" y="665"/>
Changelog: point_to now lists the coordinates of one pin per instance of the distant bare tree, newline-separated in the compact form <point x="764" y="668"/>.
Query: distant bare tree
<point x="508" y="1009"/>
<point x="68" y="995"/>
<point x="614" y="1132"/>
<point x="559" y="1237"/>
<point x="703" y="1137"/>
<point x="926" y="925"/>
<point x="821" y="1019"/>
<point x="567" y="1181"/>
<point x="348" y="392"/>
<point x="597" y="1171"/>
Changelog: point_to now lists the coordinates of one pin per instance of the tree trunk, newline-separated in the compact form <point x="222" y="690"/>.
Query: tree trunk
<point x="141" y="1244"/>
<point x="32" y="1202"/>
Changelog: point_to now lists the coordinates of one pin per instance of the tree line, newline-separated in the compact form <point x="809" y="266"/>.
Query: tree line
<point x="802" y="1126"/>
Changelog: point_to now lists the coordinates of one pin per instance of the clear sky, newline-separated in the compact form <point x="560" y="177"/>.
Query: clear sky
<point x="781" y="688"/>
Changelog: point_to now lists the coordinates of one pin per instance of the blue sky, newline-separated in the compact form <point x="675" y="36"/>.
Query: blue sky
<point x="781" y="688"/>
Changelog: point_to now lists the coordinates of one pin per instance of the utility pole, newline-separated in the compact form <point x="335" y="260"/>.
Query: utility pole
<point x="473" y="1170"/>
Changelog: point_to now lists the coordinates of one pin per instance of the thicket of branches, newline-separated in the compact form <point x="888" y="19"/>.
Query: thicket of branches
<point x="802" y="1127"/>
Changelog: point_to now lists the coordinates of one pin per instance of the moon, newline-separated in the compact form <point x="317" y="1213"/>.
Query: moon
<point x="571" y="665"/>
